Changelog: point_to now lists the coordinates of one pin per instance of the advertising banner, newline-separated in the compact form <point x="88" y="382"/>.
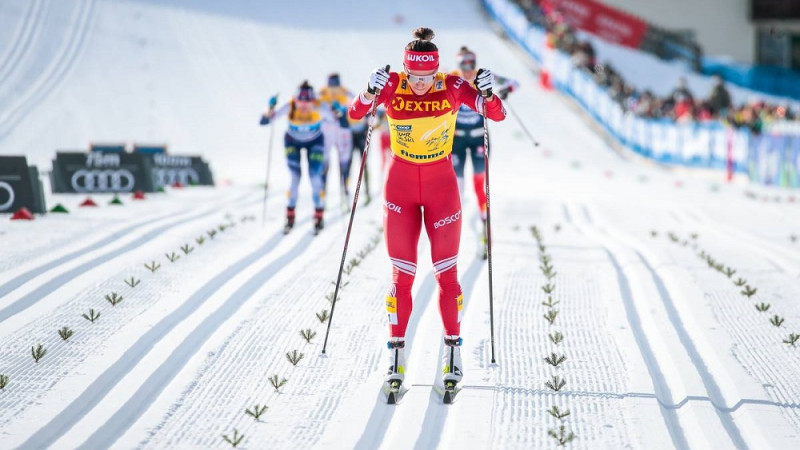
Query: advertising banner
<point x="20" y="186"/>
<point x="95" y="172"/>
<point x="602" y="20"/>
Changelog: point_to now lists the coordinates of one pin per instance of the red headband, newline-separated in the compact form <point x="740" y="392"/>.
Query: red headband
<point x="421" y="60"/>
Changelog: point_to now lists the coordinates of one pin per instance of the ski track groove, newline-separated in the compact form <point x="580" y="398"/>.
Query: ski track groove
<point x="308" y="381"/>
<point x="759" y="349"/>
<point x="104" y="383"/>
<point x="21" y="42"/>
<point x="742" y="331"/>
<point x="50" y="78"/>
<point x="106" y="240"/>
<point x="90" y="340"/>
<point x="388" y="420"/>
<point x="662" y="389"/>
<point x="757" y="345"/>
<point x="774" y="253"/>
<point x="438" y="421"/>
<point x="586" y="346"/>
<point x="89" y="228"/>
<point x="50" y="286"/>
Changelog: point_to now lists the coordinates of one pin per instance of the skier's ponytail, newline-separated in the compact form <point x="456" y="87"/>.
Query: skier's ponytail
<point x="422" y="40"/>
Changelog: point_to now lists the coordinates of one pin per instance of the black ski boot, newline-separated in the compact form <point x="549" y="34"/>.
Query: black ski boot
<point x="318" y="222"/>
<point x="289" y="220"/>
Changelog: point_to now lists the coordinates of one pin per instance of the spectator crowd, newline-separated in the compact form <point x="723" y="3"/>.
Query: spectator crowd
<point x="681" y="105"/>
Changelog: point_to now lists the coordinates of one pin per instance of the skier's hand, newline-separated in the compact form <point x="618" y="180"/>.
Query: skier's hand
<point x="377" y="80"/>
<point x="484" y="82"/>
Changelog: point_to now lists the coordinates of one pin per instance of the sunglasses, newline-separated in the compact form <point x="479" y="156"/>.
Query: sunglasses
<point x="421" y="78"/>
<point x="467" y="66"/>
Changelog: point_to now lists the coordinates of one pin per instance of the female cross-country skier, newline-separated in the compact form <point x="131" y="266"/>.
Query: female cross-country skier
<point x="469" y="135"/>
<point x="420" y="187"/>
<point x="304" y="132"/>
<point x="337" y="131"/>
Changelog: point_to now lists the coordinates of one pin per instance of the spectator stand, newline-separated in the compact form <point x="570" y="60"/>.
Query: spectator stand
<point x="701" y="133"/>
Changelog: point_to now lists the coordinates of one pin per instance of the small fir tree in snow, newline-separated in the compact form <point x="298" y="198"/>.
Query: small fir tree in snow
<point x="556" y="338"/>
<point x="276" y="382"/>
<point x="558" y="413"/>
<point x="172" y="256"/>
<point x="65" y="333"/>
<point x="3" y="381"/>
<point x="551" y="315"/>
<point x="186" y="249"/>
<point x="153" y="266"/>
<point x="235" y="439"/>
<point x="561" y="435"/>
<point x="92" y="316"/>
<point x="792" y="339"/>
<point x="555" y="383"/>
<point x="554" y="360"/>
<point x="256" y="412"/>
<point x="200" y="240"/>
<point x="38" y="352"/>
<point x="113" y="298"/>
<point x="749" y="291"/>
<point x="740" y="282"/>
<point x="550" y="302"/>
<point x="294" y="357"/>
<point x="323" y="316"/>
<point x="133" y="282"/>
<point x="308" y="334"/>
<point x="762" y="307"/>
<point x="776" y="320"/>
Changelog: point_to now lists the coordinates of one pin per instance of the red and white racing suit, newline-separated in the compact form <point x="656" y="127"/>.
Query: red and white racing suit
<point x="421" y="188"/>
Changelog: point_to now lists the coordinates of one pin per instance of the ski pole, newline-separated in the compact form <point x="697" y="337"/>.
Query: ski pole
<point x="272" y="102"/>
<point x="373" y="108"/>
<point x="521" y="124"/>
<point x="488" y="224"/>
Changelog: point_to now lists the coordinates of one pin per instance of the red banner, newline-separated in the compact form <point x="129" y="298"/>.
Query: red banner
<point x="606" y="22"/>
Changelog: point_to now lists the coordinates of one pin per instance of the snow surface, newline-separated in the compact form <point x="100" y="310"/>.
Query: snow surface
<point x="662" y="350"/>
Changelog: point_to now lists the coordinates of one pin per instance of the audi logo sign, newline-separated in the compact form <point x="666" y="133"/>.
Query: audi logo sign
<point x="6" y="196"/>
<point x="96" y="172"/>
<point x="170" y="176"/>
<point x="93" y="172"/>
<point x="20" y="186"/>
<point x="102" y="180"/>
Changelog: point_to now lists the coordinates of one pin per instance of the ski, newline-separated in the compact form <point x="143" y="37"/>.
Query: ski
<point x="447" y="391"/>
<point x="394" y="391"/>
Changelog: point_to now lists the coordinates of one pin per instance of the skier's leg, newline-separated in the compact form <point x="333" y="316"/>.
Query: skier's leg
<point x="316" y="156"/>
<point x="442" y="217"/>
<point x="402" y="226"/>
<point x="293" y="161"/>
<point x="443" y="225"/>
<point x="329" y="138"/>
<point x="459" y="155"/>
<point x="479" y="175"/>
<point x="344" y="144"/>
